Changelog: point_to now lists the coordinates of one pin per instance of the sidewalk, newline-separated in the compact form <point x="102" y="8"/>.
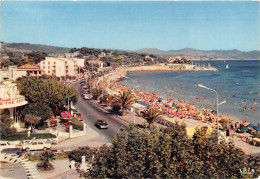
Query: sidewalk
<point x="61" y="170"/>
<point x="92" y="139"/>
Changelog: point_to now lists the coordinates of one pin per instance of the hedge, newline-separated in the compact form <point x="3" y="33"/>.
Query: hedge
<point x="24" y="136"/>
<point x="76" y="123"/>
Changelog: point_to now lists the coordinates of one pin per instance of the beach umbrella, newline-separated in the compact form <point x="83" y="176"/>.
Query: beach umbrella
<point x="245" y="124"/>
<point x="160" y="99"/>
<point x="190" y="107"/>
<point x="200" y="116"/>
<point x="251" y="129"/>
<point x="66" y="117"/>
<point x="64" y="112"/>
<point x="244" y="128"/>
<point x="168" y="104"/>
<point x="214" y="111"/>
<point x="256" y="128"/>
<point x="251" y="125"/>
<point x="174" y="105"/>
<point x="224" y="117"/>
<point x="181" y="105"/>
<point x="191" y="111"/>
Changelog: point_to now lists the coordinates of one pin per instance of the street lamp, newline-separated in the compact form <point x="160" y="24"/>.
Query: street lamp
<point x="133" y="91"/>
<point x="201" y="86"/>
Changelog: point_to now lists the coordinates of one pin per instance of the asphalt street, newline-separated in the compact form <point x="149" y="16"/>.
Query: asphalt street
<point x="91" y="112"/>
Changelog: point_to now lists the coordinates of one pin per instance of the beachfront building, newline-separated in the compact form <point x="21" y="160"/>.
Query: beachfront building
<point x="13" y="72"/>
<point x="61" y="67"/>
<point x="53" y="66"/>
<point x="11" y="100"/>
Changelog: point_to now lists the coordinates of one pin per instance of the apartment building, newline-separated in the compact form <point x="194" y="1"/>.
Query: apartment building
<point x="53" y="66"/>
<point x="60" y="66"/>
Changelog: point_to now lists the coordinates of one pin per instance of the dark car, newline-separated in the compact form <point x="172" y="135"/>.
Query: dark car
<point x="78" y="116"/>
<point x="101" y="124"/>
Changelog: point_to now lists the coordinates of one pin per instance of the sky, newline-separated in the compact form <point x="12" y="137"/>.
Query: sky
<point x="204" y="25"/>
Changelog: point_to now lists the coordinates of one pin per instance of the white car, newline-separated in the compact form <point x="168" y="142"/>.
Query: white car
<point x="6" y="145"/>
<point x="87" y="96"/>
<point x="36" y="145"/>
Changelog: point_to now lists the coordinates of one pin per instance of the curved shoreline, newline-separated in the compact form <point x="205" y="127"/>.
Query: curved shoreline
<point x="171" y="67"/>
<point x="240" y="140"/>
<point x="122" y="73"/>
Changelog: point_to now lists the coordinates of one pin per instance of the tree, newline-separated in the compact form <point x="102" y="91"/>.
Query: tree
<point x="46" y="91"/>
<point x="96" y="92"/>
<point x="5" y="124"/>
<point x="37" y="56"/>
<point x="125" y="99"/>
<point x="38" y="109"/>
<point x="32" y="120"/>
<point x="254" y="165"/>
<point x="46" y="157"/>
<point x="167" y="153"/>
<point x="151" y="115"/>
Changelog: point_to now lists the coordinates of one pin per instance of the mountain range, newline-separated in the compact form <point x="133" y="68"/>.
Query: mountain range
<point x="198" y="54"/>
<point x="211" y="54"/>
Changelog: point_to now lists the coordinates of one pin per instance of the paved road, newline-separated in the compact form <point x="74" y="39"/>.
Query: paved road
<point x="91" y="113"/>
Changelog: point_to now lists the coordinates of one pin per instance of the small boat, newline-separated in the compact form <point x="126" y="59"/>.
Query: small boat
<point x="227" y="67"/>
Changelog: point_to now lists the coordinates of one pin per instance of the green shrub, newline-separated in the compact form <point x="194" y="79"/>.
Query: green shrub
<point x="81" y="151"/>
<point x="61" y="155"/>
<point x="35" y="157"/>
<point x="76" y="123"/>
<point x="24" y="136"/>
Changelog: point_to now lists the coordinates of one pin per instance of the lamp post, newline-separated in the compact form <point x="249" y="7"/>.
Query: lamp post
<point x="201" y="86"/>
<point x="133" y="92"/>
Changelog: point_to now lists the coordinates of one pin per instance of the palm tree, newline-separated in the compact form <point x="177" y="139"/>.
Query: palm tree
<point x="125" y="100"/>
<point x="151" y="115"/>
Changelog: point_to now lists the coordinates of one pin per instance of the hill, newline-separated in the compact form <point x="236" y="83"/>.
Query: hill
<point x="26" y="47"/>
<point x="212" y="54"/>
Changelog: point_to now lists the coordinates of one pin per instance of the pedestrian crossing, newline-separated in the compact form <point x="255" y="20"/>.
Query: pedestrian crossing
<point x="29" y="168"/>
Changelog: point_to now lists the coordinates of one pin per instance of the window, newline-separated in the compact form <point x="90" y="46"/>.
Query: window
<point x="40" y="143"/>
<point x="34" y="143"/>
<point x="43" y="67"/>
<point x="49" y="67"/>
<point x="49" y="63"/>
<point x="49" y="72"/>
<point x="44" y="63"/>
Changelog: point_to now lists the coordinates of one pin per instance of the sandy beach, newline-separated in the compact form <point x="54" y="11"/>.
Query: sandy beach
<point x="112" y="87"/>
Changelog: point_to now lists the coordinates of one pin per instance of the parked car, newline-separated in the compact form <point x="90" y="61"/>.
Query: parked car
<point x="78" y="116"/>
<point x="87" y="96"/>
<point x="6" y="145"/>
<point x="52" y="141"/>
<point x="101" y="124"/>
<point x="36" y="145"/>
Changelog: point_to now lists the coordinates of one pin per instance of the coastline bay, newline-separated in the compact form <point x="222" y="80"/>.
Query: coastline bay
<point x="239" y="85"/>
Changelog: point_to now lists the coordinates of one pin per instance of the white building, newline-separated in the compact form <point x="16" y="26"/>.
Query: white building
<point x="11" y="100"/>
<point x="53" y="66"/>
<point x="60" y="66"/>
<point x="13" y="72"/>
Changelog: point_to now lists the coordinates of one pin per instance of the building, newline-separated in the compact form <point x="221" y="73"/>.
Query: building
<point x="61" y="67"/>
<point x="13" y="72"/>
<point x="96" y="62"/>
<point x="11" y="100"/>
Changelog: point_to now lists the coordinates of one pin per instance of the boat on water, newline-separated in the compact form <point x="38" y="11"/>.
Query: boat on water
<point x="227" y="66"/>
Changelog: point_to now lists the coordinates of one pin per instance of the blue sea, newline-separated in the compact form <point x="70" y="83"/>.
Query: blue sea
<point x="239" y="86"/>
